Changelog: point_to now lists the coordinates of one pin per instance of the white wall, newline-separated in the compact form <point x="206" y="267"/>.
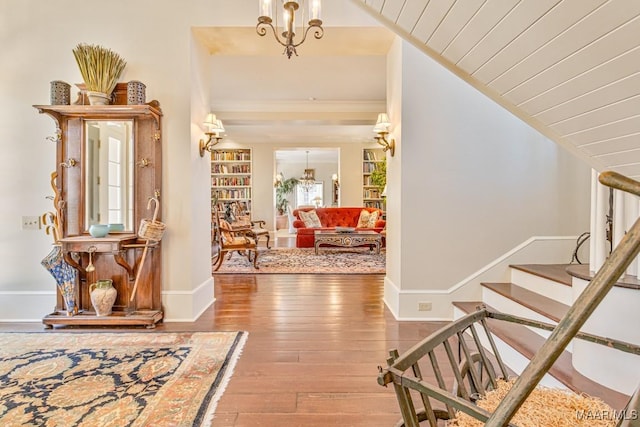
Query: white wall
<point x="154" y="38"/>
<point x="474" y="205"/>
<point x="37" y="40"/>
<point x="476" y="182"/>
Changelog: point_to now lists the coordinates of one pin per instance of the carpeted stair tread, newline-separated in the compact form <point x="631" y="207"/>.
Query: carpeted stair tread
<point x="545" y="306"/>
<point x="527" y="343"/>
<point x="555" y="272"/>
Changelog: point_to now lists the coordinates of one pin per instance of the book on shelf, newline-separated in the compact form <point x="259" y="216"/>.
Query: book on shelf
<point x="370" y="155"/>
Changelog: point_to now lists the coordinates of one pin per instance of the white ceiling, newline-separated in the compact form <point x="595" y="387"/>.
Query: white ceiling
<point x="316" y="155"/>
<point x="330" y="93"/>
<point x="569" y="68"/>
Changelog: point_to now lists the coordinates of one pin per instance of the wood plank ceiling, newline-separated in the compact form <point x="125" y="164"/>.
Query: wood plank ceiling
<point x="569" y="68"/>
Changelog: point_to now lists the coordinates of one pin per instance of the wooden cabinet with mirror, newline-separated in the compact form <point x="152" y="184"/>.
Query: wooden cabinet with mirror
<point x="108" y="168"/>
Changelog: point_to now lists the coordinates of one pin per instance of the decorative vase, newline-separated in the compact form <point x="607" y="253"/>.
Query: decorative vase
<point x="60" y="93"/>
<point x="99" y="230"/>
<point x="103" y="295"/>
<point x="115" y="227"/>
<point x="282" y="222"/>
<point x="135" y="93"/>
<point x="98" y="98"/>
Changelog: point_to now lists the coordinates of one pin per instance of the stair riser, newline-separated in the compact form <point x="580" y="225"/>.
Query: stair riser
<point x="511" y="357"/>
<point x="509" y="306"/>
<point x="546" y="287"/>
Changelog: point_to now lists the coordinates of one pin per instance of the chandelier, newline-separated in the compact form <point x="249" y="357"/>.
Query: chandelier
<point x="308" y="179"/>
<point x="287" y="30"/>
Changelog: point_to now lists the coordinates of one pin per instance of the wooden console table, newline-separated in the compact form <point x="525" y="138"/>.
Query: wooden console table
<point x="113" y="257"/>
<point x="348" y="239"/>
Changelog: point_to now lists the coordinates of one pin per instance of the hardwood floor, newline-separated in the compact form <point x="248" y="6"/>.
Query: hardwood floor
<point x="314" y="345"/>
<point x="315" y="342"/>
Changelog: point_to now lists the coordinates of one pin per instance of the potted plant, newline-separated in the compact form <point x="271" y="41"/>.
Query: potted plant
<point x="285" y="188"/>
<point x="100" y="68"/>
<point x="379" y="178"/>
<point x="379" y="175"/>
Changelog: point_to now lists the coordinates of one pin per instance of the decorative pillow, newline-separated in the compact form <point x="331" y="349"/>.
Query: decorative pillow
<point x="373" y="218"/>
<point x="310" y="219"/>
<point x="363" y="221"/>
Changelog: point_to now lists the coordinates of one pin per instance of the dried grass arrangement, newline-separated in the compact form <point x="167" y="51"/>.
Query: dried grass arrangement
<point x="545" y="407"/>
<point x="100" y="67"/>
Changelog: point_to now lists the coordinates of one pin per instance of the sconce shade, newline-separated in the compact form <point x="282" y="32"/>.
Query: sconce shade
<point x="210" y="120"/>
<point x="382" y="124"/>
<point x="383" y="120"/>
<point x="215" y="127"/>
<point x="218" y="126"/>
<point x="381" y="129"/>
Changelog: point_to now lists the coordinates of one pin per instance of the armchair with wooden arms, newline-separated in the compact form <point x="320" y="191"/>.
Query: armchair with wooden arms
<point x="256" y="227"/>
<point x="227" y="239"/>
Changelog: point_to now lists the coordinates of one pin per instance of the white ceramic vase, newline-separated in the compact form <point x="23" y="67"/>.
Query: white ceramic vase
<point x="97" y="98"/>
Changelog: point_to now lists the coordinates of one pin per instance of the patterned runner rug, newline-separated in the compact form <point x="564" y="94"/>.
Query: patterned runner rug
<point x="305" y="261"/>
<point x="114" y="379"/>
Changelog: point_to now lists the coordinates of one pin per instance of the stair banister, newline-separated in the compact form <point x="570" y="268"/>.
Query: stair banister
<point x="577" y="315"/>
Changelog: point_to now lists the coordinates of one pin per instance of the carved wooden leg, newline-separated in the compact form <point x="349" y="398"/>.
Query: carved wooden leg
<point x="268" y="238"/>
<point x="255" y="259"/>
<point x="221" y="255"/>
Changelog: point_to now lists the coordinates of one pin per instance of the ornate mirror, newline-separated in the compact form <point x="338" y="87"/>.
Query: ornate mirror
<point x="109" y="174"/>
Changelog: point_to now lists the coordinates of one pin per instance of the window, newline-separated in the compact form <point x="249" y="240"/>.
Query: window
<point x="310" y="198"/>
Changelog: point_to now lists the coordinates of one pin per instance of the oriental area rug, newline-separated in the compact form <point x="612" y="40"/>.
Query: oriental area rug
<point x="114" y="379"/>
<point x="305" y="261"/>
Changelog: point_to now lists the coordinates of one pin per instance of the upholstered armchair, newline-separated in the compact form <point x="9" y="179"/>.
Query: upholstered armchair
<point x="228" y="239"/>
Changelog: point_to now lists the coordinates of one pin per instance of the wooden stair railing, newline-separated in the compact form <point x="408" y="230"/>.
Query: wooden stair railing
<point x="582" y="308"/>
<point x="474" y="367"/>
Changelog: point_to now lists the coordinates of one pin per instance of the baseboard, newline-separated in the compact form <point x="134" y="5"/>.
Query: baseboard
<point x="405" y="305"/>
<point x="187" y="306"/>
<point x="26" y="306"/>
<point x="32" y="306"/>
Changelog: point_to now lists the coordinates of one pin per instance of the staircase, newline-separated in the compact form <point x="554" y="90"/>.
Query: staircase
<point x="543" y="293"/>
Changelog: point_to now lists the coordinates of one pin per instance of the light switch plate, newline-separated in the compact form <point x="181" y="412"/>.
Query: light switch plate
<point x="31" y="223"/>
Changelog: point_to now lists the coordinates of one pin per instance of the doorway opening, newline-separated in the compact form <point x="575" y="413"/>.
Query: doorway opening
<point x="322" y="166"/>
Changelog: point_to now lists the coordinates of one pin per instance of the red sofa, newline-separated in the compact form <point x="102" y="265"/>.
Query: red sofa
<point x="331" y="218"/>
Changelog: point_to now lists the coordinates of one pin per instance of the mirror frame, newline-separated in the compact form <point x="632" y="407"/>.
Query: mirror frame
<point x="68" y="183"/>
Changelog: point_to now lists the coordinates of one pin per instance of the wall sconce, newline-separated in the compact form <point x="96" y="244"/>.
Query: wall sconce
<point x="382" y="129"/>
<point x="334" y="178"/>
<point x="215" y="129"/>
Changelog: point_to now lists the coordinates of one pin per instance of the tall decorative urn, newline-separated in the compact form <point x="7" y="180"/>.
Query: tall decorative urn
<point x="103" y="296"/>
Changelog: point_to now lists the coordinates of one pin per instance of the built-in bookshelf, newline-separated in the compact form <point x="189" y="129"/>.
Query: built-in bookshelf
<point x="231" y="177"/>
<point x="371" y="194"/>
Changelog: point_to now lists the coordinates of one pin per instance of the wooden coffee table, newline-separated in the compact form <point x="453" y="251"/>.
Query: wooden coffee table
<point x="348" y="239"/>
